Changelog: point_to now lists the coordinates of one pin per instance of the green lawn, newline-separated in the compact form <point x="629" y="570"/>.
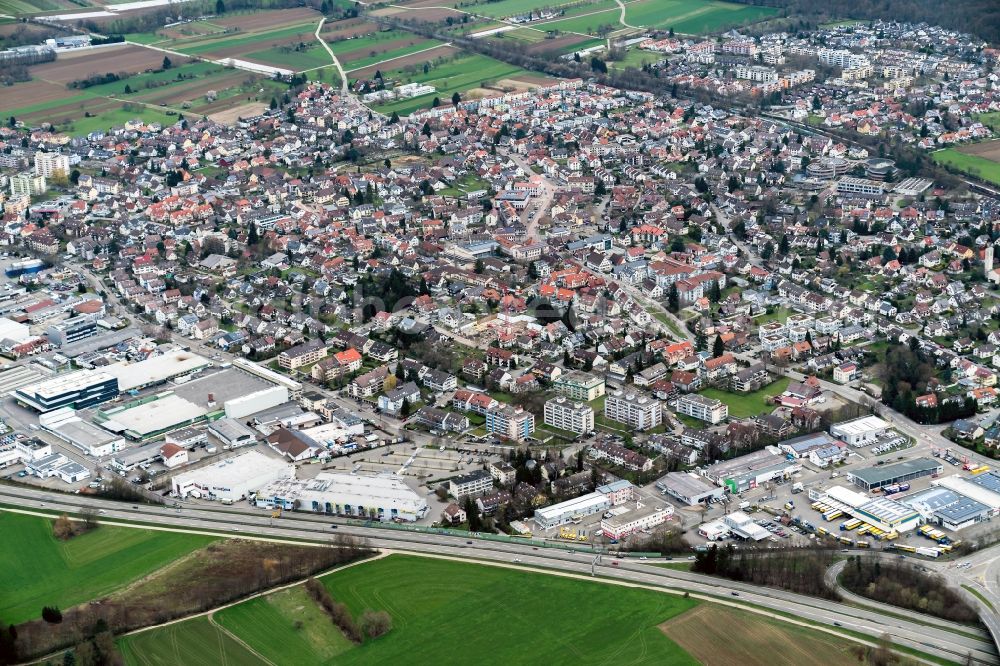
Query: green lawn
<point x="39" y="570"/>
<point x="271" y="626"/>
<point x="635" y="58"/>
<point x="506" y="8"/>
<point x="519" y="617"/>
<point x="194" y="642"/>
<point x="305" y="32"/>
<point x="312" y="56"/>
<point x="973" y="165"/>
<point x="778" y="314"/>
<point x="372" y="41"/>
<point x="991" y="120"/>
<point x="742" y="405"/>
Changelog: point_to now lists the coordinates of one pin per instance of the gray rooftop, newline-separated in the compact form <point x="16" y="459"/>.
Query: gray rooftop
<point x="886" y="473"/>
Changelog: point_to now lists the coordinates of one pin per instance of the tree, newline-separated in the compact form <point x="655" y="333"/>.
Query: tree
<point x="252" y="236"/>
<point x="673" y="298"/>
<point x="600" y="189"/>
<point x="783" y="247"/>
<point x="394" y="118"/>
<point x="166" y="63"/>
<point x="480" y="267"/>
<point x="718" y="347"/>
<point x="274" y="104"/>
<point x="127" y="90"/>
<point x="52" y="614"/>
<point x="456" y="98"/>
<point x="436" y="102"/>
<point x="220" y="7"/>
<point x="62" y="528"/>
<point x="715" y="292"/>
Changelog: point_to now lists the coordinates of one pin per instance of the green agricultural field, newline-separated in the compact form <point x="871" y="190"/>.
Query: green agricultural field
<point x="271" y="626"/>
<point x="311" y="57"/>
<point x="585" y="25"/>
<point x="555" y="620"/>
<point x="195" y="642"/>
<point x="693" y="16"/>
<point x="635" y="58"/>
<point x="742" y="405"/>
<point x="458" y="75"/>
<point x="200" y="46"/>
<point x="360" y="63"/>
<point x="973" y="165"/>
<point x="506" y="8"/>
<point x="40" y="570"/>
<point x="341" y="46"/>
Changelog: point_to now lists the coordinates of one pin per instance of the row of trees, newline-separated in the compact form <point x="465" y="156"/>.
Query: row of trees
<point x="373" y="623"/>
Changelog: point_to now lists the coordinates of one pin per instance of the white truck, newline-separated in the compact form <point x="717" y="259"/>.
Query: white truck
<point x="797" y="487"/>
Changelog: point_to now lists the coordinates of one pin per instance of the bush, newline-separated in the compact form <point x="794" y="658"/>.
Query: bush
<point x="338" y="612"/>
<point x="51" y="614"/>
<point x="376" y="623"/>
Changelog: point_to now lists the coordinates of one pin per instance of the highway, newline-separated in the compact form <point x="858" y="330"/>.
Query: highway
<point x="926" y="638"/>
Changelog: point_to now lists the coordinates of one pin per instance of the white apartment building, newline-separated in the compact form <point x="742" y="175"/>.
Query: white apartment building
<point x="639" y="411"/>
<point x="702" y="408"/>
<point x="579" y="386"/>
<point x="472" y="484"/>
<point x="49" y="164"/>
<point x="568" y="415"/>
<point x="756" y="73"/>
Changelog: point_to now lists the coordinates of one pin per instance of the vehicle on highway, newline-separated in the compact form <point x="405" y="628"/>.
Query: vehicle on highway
<point x="735" y="593"/>
<point x="333" y="527"/>
<point x="468" y="543"/>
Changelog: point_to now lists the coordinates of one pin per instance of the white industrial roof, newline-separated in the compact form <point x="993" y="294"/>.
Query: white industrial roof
<point x="156" y="369"/>
<point x="66" y="383"/>
<point x="861" y="425"/>
<point x="847" y="496"/>
<point x="970" y="490"/>
<point x="235" y="471"/>
<point x="156" y="415"/>
<point x="583" y="503"/>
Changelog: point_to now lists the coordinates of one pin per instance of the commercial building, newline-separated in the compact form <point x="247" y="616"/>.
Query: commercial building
<point x="579" y="386"/>
<point x="79" y="389"/>
<point x="155" y="370"/>
<point x="624" y="525"/>
<point x="860" y="186"/>
<point x="15" y="449"/>
<point x="14" y="331"/>
<point x="145" y="419"/>
<point x="232" y="479"/>
<point x="984" y="488"/>
<point x="861" y="431"/>
<point x="383" y="497"/>
<point x="72" y="330"/>
<point x="689" y="488"/>
<point x="232" y="433"/>
<point x="752" y="469"/>
<point x="702" y="408"/>
<point x="741" y="525"/>
<point x="947" y="508"/>
<point x="637" y="410"/>
<point x="91" y="440"/>
<point x="565" y="414"/>
<point x="510" y="422"/>
<point x="885" y="514"/>
<point x="471" y="484"/>
<point x="572" y="510"/>
<point x="245" y="405"/>
<point x="57" y="465"/>
<point x="257" y="370"/>
<point x="880" y="476"/>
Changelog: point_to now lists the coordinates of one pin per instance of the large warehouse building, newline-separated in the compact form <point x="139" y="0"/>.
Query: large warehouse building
<point x="880" y="476"/>
<point x="566" y="512"/>
<point x="154" y="370"/>
<point x="752" y="469"/>
<point x="384" y="496"/>
<point x="689" y="488"/>
<point x="946" y="508"/>
<point x="881" y="512"/>
<point x="859" y="432"/>
<point x="232" y="479"/>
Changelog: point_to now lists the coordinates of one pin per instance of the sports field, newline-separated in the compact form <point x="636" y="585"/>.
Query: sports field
<point x="715" y="634"/>
<point x="40" y="570"/>
<point x="287" y="628"/>
<point x="742" y="405"/>
<point x="980" y="160"/>
<point x="195" y="642"/>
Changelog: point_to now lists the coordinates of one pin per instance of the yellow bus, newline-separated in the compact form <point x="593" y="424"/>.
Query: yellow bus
<point x="851" y="524"/>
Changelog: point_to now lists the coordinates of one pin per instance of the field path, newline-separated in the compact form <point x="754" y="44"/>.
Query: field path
<point x="219" y="627"/>
<point x="336" y="63"/>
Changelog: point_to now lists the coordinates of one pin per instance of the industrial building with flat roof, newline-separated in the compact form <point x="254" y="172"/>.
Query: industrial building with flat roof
<point x="79" y="389"/>
<point x="881" y="512"/>
<point x="753" y="469"/>
<point x="232" y="479"/>
<point x="984" y="488"/>
<point x="880" y="476"/>
<point x="644" y="518"/>
<point x="154" y="417"/>
<point x="384" y="496"/>
<point x="571" y="510"/>
<point x="93" y="441"/>
<point x="947" y="508"/>
<point x="861" y="431"/>
<point x="156" y="369"/>
<point x="689" y="488"/>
